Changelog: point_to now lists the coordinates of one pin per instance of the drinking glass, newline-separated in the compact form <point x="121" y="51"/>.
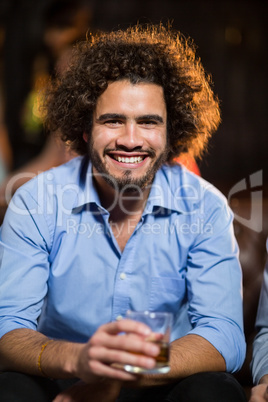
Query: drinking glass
<point x="160" y="323"/>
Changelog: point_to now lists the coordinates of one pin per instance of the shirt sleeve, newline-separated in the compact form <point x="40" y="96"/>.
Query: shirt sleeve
<point x="259" y="364"/>
<point x="24" y="267"/>
<point x="214" y="283"/>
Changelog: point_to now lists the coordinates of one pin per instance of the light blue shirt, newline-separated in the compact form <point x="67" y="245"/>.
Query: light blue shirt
<point x="63" y="273"/>
<point x="259" y="362"/>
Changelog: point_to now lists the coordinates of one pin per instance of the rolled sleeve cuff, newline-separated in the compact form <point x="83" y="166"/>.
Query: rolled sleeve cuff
<point x="10" y="326"/>
<point x="231" y="346"/>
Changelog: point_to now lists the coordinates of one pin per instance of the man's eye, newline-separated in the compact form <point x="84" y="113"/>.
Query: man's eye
<point x="113" y="122"/>
<point x="148" y="122"/>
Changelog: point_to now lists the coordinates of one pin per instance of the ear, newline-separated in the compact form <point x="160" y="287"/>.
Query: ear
<point x="85" y="137"/>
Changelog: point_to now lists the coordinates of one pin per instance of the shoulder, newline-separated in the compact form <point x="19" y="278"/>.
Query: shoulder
<point x="59" y="185"/>
<point x="63" y="175"/>
<point x="190" y="189"/>
<point x="67" y="173"/>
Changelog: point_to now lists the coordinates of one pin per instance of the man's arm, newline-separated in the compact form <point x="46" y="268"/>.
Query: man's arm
<point x="264" y="379"/>
<point x="259" y="364"/>
<point x="192" y="354"/>
<point x="20" y="350"/>
<point x="95" y="360"/>
<point x="259" y="393"/>
<point x="189" y="355"/>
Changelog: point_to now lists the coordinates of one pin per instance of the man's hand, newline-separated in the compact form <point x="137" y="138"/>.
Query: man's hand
<point x="111" y="347"/>
<point x="259" y="393"/>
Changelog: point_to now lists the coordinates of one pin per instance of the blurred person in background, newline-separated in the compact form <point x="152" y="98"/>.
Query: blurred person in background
<point x="38" y="38"/>
<point x="259" y="364"/>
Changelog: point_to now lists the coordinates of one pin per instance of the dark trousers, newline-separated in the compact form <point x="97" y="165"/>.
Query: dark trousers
<point x="201" y="387"/>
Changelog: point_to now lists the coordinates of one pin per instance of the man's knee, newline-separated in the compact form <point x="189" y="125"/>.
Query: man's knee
<point x="208" y="387"/>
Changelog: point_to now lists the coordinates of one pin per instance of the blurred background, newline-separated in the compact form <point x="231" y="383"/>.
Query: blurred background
<point x="231" y="39"/>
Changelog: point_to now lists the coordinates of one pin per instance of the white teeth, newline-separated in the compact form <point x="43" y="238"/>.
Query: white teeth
<point x="132" y="159"/>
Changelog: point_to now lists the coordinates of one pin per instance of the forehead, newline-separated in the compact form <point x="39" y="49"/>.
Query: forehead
<point x="125" y="97"/>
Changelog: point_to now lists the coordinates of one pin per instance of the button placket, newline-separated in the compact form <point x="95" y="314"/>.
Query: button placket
<point x="122" y="289"/>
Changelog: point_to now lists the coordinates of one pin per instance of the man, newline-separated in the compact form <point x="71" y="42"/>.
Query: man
<point x="259" y="393"/>
<point x="120" y="228"/>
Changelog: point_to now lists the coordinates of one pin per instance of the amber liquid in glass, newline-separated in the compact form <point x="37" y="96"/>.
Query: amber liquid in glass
<point x="163" y="357"/>
<point x="162" y="361"/>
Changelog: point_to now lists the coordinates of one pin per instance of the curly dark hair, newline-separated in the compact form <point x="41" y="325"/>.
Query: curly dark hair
<point x="151" y="53"/>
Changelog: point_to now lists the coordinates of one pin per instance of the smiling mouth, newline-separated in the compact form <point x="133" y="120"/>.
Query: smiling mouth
<point x="131" y="159"/>
<point x="134" y="159"/>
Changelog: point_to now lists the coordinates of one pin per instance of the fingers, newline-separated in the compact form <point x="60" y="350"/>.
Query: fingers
<point x="111" y="372"/>
<point x="127" y="342"/>
<point x="125" y="325"/>
<point x="122" y="349"/>
<point x="63" y="398"/>
<point x="259" y="393"/>
<point x="155" y="337"/>
<point x="116" y="344"/>
<point x="124" y="342"/>
<point x="108" y="356"/>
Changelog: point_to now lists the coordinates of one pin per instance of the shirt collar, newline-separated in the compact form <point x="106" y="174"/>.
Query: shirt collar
<point x="166" y="190"/>
<point x="88" y="195"/>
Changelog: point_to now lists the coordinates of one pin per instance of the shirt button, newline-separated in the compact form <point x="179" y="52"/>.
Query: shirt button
<point x="123" y="276"/>
<point x="119" y="317"/>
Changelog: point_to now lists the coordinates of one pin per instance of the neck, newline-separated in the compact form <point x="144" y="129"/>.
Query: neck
<point x="121" y="204"/>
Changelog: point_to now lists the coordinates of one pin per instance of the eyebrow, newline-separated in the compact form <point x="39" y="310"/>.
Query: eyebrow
<point x="155" y="117"/>
<point x="115" y="116"/>
<point x="108" y="116"/>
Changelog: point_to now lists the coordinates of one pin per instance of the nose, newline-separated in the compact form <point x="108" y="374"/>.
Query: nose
<point x="130" y="137"/>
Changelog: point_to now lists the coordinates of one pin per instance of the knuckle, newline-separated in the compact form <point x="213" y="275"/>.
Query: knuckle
<point x="124" y="341"/>
<point x="92" y="365"/>
<point x="92" y="352"/>
<point x="96" y="352"/>
<point x="120" y="325"/>
<point x="96" y="339"/>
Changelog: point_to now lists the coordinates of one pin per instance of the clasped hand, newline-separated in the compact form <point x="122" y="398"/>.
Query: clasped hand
<point x="101" y="360"/>
<point x="114" y="345"/>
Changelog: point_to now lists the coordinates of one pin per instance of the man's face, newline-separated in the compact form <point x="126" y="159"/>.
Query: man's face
<point x="129" y="134"/>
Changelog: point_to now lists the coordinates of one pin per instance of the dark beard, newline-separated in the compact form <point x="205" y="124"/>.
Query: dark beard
<point x="126" y="183"/>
